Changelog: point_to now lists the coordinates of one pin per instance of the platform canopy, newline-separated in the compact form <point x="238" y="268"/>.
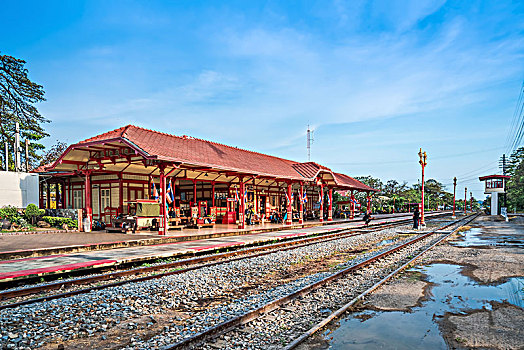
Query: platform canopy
<point x="135" y="150"/>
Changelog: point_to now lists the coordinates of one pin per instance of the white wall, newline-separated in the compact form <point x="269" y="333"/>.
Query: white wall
<point x="18" y="189"/>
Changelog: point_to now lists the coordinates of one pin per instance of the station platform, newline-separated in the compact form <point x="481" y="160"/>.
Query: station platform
<point x="61" y="259"/>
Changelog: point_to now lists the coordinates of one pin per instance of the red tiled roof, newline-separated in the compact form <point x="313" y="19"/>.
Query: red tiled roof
<point x="351" y="182"/>
<point x="193" y="151"/>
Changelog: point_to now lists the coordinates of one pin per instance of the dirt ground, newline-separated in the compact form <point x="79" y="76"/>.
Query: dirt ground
<point x="500" y="328"/>
<point x="495" y="256"/>
<point x="401" y="294"/>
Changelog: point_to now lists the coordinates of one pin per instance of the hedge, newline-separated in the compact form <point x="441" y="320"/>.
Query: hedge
<point x="58" y="222"/>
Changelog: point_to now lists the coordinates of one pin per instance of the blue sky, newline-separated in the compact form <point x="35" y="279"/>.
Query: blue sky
<point x="376" y="80"/>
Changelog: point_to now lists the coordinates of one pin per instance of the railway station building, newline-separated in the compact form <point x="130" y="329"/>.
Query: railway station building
<point x="195" y="181"/>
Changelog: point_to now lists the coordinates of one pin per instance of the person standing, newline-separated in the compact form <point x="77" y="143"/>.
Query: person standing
<point x="416" y="217"/>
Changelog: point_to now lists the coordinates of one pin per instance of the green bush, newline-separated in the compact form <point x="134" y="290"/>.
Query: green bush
<point x="31" y="212"/>
<point x="11" y="214"/>
<point x="58" y="222"/>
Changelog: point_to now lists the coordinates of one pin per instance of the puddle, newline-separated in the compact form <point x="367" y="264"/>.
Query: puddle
<point x="386" y="242"/>
<point x="477" y="237"/>
<point x="418" y="329"/>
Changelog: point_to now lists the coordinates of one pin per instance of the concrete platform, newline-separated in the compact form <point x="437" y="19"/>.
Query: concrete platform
<point x="15" y="269"/>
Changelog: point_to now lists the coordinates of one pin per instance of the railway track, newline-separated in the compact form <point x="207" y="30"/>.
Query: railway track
<point x="176" y="267"/>
<point x="219" y="330"/>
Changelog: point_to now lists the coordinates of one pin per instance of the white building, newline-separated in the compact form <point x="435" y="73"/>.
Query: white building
<point x="18" y="189"/>
<point x="494" y="184"/>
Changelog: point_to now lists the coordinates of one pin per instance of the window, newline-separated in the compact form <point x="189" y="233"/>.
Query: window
<point x="78" y="202"/>
<point x="105" y="199"/>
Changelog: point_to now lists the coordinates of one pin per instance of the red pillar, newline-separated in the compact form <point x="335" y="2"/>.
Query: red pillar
<point x="454" y="192"/>
<point x="321" y="202"/>
<point x="330" y="209"/>
<point x="368" y="204"/>
<point x="289" y="219"/>
<point x="352" y="206"/>
<point x="89" y="209"/>
<point x="465" y="201"/>
<point x="422" y="221"/>
<point x="48" y="196"/>
<point x="471" y="201"/>
<point x="213" y="194"/>
<point x="120" y="194"/>
<point x="163" y="213"/>
<point x="301" y="217"/>
<point x="241" y="210"/>
<point x="41" y="195"/>
<point x="194" y="193"/>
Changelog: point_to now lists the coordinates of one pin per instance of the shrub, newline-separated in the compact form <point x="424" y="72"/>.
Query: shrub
<point x="11" y="214"/>
<point x="31" y="212"/>
<point x="58" y="222"/>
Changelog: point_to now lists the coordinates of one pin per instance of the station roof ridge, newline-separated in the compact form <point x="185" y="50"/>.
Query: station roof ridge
<point x="122" y="132"/>
<point x="209" y="154"/>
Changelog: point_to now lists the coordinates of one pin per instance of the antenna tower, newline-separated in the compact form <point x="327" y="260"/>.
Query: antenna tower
<point x="309" y="142"/>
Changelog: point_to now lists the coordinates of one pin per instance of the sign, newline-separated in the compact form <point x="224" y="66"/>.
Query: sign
<point x="231" y="200"/>
<point x="504" y="212"/>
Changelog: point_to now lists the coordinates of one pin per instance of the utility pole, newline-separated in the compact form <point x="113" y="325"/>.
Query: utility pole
<point x="454" y="192"/>
<point x="423" y="163"/>
<point x="471" y="201"/>
<point x="309" y="142"/>
<point x="502" y="165"/>
<point x="27" y="155"/>
<point x="17" y="148"/>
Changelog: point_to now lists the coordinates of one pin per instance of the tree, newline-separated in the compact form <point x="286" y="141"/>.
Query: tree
<point x="53" y="153"/>
<point x="18" y="94"/>
<point x="515" y="185"/>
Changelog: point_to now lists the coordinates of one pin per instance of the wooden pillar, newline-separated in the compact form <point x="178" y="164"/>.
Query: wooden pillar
<point x="330" y="208"/>
<point x="289" y="219"/>
<point x="213" y="194"/>
<point x="321" y="202"/>
<point x="48" y="196"/>
<point x="120" y="194"/>
<point x="41" y="195"/>
<point x="194" y="194"/>
<point x="163" y="213"/>
<point x="89" y="209"/>
<point x="301" y="199"/>
<point x="241" y="208"/>
<point x="352" y="206"/>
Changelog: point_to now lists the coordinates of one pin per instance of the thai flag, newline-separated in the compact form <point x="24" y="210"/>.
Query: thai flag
<point x="292" y="196"/>
<point x="287" y="198"/>
<point x="169" y="195"/>
<point x="154" y="192"/>
<point x="237" y="198"/>
<point x="304" y="198"/>
<point x="319" y="197"/>
<point x="245" y="196"/>
<point x="328" y="199"/>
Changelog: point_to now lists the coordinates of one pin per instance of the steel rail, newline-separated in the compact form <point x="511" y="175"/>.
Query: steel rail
<point x="262" y="250"/>
<point x="230" y="324"/>
<point x="338" y="313"/>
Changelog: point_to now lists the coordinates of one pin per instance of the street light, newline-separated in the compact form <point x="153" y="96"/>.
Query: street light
<point x="465" y="201"/>
<point x="423" y="163"/>
<point x="454" y="190"/>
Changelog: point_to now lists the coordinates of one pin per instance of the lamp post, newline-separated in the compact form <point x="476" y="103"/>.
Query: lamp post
<point x="454" y="191"/>
<point x="465" y="201"/>
<point x="423" y="163"/>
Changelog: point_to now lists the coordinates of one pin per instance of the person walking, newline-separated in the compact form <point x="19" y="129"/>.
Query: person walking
<point x="416" y="217"/>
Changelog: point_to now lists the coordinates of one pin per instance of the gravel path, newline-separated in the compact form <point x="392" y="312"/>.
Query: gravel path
<point x="124" y="315"/>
